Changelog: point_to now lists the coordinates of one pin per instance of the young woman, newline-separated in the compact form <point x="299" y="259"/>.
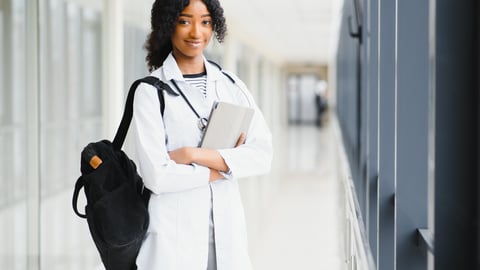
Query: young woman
<point x="196" y="214"/>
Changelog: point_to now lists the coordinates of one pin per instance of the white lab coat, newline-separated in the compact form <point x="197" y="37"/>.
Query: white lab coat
<point x="178" y="235"/>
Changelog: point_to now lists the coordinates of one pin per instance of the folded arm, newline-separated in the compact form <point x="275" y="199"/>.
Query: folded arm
<point x="210" y="158"/>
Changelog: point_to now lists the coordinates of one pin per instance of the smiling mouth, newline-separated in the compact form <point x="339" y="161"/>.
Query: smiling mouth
<point x="194" y="43"/>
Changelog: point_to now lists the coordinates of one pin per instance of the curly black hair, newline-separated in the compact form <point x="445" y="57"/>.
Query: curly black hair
<point x="164" y="16"/>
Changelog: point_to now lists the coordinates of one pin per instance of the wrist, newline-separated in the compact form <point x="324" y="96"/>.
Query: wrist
<point x="214" y="175"/>
<point x="192" y="154"/>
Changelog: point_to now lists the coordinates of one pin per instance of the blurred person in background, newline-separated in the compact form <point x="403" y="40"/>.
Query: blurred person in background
<point x="321" y="101"/>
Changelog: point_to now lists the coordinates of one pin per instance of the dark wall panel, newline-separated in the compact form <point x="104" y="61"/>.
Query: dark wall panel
<point x="456" y="143"/>
<point x="387" y="129"/>
<point x="412" y="131"/>
<point x="408" y="99"/>
<point x="371" y="44"/>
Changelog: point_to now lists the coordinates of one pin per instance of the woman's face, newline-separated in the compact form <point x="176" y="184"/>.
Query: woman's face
<point x="193" y="31"/>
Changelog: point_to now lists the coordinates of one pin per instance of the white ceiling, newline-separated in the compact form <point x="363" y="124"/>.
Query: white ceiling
<point x="296" y="31"/>
<point x="291" y="31"/>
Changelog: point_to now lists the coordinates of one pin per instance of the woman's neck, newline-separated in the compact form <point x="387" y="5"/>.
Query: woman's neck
<point x="191" y="66"/>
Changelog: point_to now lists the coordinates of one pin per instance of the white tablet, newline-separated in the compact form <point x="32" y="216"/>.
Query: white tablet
<point x="226" y="122"/>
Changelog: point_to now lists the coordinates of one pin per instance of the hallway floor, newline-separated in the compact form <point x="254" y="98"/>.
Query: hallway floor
<point x="301" y="223"/>
<point x="294" y="215"/>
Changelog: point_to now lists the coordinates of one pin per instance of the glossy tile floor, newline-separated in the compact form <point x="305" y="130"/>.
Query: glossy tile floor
<point x="301" y="225"/>
<point x="294" y="214"/>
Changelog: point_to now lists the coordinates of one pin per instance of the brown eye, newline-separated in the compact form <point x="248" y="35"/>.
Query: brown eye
<point x="183" y="22"/>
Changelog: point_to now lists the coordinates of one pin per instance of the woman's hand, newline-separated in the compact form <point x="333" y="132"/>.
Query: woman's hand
<point x="241" y="139"/>
<point x="204" y="156"/>
<point x="182" y="155"/>
<point x="214" y="175"/>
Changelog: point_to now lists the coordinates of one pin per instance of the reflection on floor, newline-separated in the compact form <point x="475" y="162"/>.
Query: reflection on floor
<point x="294" y="215"/>
<point x="300" y="225"/>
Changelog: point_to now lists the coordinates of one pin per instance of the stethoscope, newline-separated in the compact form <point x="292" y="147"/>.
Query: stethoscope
<point x="202" y="121"/>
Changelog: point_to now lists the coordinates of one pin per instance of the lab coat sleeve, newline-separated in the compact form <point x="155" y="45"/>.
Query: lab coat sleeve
<point x="254" y="157"/>
<point x="160" y="174"/>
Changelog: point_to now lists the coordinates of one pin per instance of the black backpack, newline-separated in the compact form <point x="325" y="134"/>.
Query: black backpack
<point x="117" y="202"/>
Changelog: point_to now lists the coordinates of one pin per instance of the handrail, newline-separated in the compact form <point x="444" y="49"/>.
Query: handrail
<point x="362" y="257"/>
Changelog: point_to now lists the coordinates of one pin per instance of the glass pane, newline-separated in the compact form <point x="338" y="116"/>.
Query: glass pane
<point x="3" y="91"/>
<point x="13" y="211"/>
<point x="134" y="55"/>
<point x="70" y="107"/>
<point x="91" y="96"/>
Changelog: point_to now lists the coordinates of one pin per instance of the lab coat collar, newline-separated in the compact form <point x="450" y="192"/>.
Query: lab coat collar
<point x="172" y="71"/>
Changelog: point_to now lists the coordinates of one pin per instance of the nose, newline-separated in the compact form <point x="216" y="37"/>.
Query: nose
<point x="195" y="30"/>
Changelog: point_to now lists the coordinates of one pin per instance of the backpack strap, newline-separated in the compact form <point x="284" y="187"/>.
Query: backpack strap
<point x="159" y="85"/>
<point x="128" y="112"/>
<point x="124" y="125"/>
<point x="78" y="186"/>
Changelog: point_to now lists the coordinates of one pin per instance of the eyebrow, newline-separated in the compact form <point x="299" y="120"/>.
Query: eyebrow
<point x="191" y="16"/>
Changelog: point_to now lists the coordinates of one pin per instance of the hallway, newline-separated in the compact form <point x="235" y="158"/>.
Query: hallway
<point x="301" y="227"/>
<point x="372" y="189"/>
<point x="295" y="215"/>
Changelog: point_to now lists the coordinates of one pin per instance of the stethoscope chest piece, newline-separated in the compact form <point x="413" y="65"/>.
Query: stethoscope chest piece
<point x="202" y="123"/>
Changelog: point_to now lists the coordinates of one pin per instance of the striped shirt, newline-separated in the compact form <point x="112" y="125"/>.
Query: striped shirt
<point x="197" y="80"/>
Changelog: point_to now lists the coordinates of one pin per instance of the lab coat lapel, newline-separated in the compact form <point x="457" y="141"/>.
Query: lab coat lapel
<point x="201" y="104"/>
